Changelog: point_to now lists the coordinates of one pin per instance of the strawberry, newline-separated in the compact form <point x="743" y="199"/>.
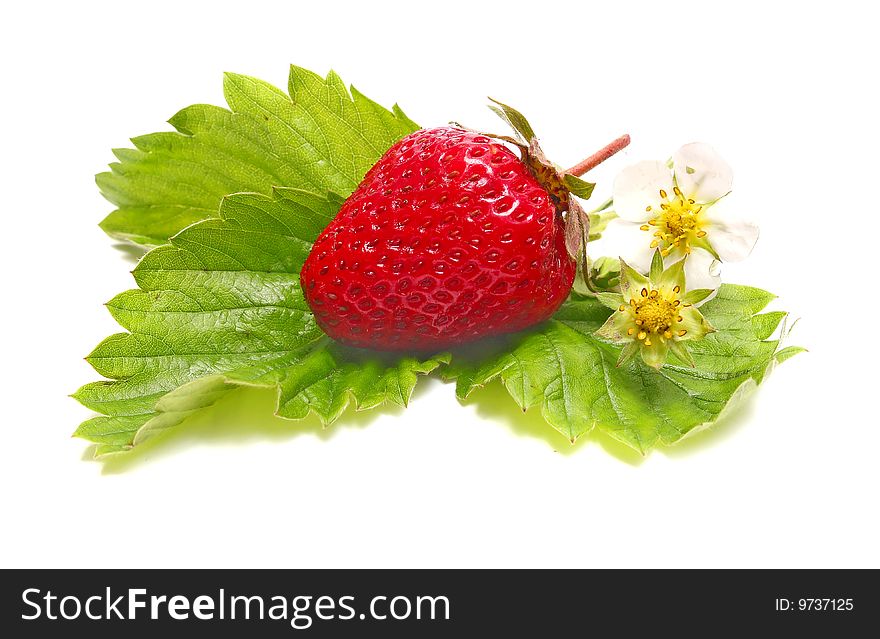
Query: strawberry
<point x="449" y="238"/>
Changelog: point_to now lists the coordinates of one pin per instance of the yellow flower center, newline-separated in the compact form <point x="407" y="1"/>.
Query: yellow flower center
<point x="677" y="224"/>
<point x="655" y="314"/>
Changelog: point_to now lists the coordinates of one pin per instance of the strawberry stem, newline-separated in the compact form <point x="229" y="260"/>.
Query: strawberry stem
<point x="599" y="156"/>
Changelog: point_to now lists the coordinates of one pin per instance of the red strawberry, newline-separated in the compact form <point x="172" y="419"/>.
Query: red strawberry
<point x="449" y="238"/>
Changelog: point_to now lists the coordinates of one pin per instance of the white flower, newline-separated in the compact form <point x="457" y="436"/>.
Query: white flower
<point x="683" y="213"/>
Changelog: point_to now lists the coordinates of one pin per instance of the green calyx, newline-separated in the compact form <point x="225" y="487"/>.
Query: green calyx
<point x="559" y="184"/>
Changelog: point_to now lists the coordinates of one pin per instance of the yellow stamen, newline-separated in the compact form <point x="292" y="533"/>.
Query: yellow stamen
<point x="644" y="227"/>
<point x="654" y="313"/>
<point x="679" y="223"/>
<point x="647" y="341"/>
<point x="621" y="308"/>
<point x="642" y="335"/>
<point x="676" y="289"/>
<point x="667" y="334"/>
<point x="630" y="330"/>
<point x="682" y="333"/>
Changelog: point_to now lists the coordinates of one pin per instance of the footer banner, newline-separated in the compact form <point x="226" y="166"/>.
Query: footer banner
<point x="434" y="603"/>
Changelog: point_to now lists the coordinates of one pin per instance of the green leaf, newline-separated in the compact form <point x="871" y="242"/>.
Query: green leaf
<point x="788" y="352"/>
<point x="221" y="307"/>
<point x="319" y="138"/>
<point x="573" y="377"/>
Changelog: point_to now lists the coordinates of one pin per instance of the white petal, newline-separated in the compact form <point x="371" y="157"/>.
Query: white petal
<point x="732" y="236"/>
<point x="701" y="271"/>
<point x="701" y="173"/>
<point x="625" y="239"/>
<point x="638" y="187"/>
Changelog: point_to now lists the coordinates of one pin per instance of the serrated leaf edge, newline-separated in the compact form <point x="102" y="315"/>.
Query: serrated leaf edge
<point x="424" y="367"/>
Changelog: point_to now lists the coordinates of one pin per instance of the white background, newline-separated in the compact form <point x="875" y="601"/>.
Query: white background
<point x="786" y="92"/>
